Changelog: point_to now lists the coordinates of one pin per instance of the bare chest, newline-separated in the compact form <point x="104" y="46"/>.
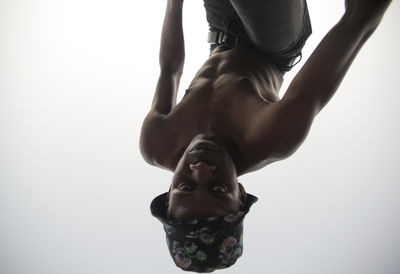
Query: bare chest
<point x="227" y="104"/>
<point x="226" y="98"/>
<point x="226" y="108"/>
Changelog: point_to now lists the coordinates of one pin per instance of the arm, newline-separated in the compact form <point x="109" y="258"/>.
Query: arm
<point x="172" y="57"/>
<point x="322" y="74"/>
<point x="289" y="120"/>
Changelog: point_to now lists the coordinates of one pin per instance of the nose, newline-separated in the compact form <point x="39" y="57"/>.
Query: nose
<point x="202" y="171"/>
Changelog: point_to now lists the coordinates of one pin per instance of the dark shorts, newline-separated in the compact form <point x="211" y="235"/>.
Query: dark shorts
<point x="276" y="28"/>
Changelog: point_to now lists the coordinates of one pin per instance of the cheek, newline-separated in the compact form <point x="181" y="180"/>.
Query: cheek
<point x="230" y="164"/>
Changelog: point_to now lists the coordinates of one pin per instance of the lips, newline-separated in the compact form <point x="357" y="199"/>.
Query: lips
<point x="205" y="146"/>
<point x="201" y="155"/>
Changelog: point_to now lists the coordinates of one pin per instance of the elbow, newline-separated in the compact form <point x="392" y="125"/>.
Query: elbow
<point x="175" y="70"/>
<point x="172" y="65"/>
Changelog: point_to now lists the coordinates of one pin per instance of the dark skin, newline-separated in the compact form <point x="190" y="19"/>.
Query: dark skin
<point x="232" y="120"/>
<point x="204" y="182"/>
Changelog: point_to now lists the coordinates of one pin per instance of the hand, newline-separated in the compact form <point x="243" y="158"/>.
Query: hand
<point x="366" y="12"/>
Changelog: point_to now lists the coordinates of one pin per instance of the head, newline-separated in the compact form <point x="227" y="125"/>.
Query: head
<point x="205" y="182"/>
<point x="203" y="211"/>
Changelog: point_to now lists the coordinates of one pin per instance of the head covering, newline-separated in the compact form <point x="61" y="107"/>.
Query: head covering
<point x="203" y="245"/>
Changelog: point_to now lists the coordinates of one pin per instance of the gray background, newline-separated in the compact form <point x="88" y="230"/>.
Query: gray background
<point x="76" y="80"/>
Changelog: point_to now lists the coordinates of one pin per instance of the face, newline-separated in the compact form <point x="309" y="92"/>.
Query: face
<point x="204" y="183"/>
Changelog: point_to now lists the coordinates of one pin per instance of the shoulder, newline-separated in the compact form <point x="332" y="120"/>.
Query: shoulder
<point x="279" y="131"/>
<point x="157" y="141"/>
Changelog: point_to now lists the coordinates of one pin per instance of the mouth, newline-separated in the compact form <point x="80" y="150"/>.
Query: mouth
<point x="205" y="146"/>
<point x="198" y="155"/>
<point x="204" y="163"/>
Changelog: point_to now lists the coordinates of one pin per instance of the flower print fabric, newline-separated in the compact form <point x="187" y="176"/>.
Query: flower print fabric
<point x="203" y="245"/>
<point x="234" y="217"/>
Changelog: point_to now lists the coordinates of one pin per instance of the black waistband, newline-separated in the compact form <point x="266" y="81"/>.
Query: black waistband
<point x="217" y="37"/>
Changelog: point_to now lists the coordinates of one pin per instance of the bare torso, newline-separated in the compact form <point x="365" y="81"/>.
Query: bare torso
<point x="235" y="93"/>
<point x="227" y="97"/>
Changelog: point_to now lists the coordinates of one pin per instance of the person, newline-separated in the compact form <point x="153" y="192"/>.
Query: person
<point x="232" y="120"/>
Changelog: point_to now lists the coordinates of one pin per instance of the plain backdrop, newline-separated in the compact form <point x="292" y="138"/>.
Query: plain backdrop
<point x="76" y="81"/>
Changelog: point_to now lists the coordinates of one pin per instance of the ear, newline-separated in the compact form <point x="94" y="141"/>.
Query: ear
<point x="242" y="195"/>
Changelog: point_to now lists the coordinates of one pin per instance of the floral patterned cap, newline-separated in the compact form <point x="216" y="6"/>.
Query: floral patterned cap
<point x="203" y="245"/>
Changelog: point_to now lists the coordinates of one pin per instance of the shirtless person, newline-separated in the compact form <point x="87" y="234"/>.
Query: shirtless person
<point x="232" y="120"/>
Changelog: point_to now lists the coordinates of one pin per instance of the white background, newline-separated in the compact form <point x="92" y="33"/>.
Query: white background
<point x="76" y="80"/>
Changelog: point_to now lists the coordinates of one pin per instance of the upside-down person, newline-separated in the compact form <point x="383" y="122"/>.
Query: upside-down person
<point x="232" y="120"/>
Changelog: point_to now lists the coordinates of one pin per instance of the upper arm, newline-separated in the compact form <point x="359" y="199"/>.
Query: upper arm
<point x="290" y="119"/>
<point x="157" y="142"/>
<point x="286" y="123"/>
<point x="153" y="125"/>
<point x="283" y="126"/>
<point x="319" y="78"/>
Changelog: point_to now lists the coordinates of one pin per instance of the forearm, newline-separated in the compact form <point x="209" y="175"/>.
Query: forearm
<point x="172" y="48"/>
<point x="172" y="56"/>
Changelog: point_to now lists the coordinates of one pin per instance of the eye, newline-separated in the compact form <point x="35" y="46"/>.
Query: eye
<point x="220" y="189"/>
<point x="185" y="187"/>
